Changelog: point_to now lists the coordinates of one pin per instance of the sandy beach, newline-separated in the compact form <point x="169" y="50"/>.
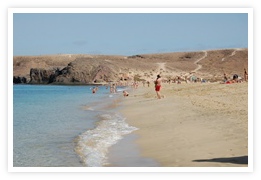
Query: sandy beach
<point x="195" y="125"/>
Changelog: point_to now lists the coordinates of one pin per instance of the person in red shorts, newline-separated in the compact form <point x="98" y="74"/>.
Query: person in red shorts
<point x="158" y="86"/>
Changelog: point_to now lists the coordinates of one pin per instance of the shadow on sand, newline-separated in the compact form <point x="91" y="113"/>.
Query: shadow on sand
<point x="234" y="160"/>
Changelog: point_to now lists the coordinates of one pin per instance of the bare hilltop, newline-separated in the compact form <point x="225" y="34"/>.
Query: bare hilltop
<point x="88" y="69"/>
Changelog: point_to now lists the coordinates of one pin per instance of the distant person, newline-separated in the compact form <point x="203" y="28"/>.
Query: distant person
<point x="125" y="93"/>
<point x="94" y="90"/>
<point x="245" y="75"/>
<point x="225" y="77"/>
<point x="235" y="77"/>
<point x="179" y="82"/>
<point x="148" y="83"/>
<point x="136" y="84"/>
<point x="113" y="88"/>
<point x="158" y="86"/>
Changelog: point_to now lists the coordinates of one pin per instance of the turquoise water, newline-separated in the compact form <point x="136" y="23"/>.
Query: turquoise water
<point x="58" y="126"/>
<point x="69" y="126"/>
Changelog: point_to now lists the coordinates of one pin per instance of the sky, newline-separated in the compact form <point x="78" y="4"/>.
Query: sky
<point x="126" y="33"/>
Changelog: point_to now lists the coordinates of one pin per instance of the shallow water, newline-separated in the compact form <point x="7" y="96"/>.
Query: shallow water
<point x="68" y="126"/>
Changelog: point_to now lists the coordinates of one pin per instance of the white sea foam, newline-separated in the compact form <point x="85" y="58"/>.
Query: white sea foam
<point x="92" y="146"/>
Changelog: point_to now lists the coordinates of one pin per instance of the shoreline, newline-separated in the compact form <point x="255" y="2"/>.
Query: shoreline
<point x="196" y="125"/>
<point x="126" y="153"/>
<point x="110" y="134"/>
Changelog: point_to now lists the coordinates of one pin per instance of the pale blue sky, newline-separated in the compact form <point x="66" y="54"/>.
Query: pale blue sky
<point x="126" y="34"/>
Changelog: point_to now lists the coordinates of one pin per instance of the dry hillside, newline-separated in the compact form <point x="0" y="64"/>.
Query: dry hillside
<point x="83" y="69"/>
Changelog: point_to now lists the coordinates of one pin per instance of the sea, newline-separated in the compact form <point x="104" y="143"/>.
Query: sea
<point x="69" y="126"/>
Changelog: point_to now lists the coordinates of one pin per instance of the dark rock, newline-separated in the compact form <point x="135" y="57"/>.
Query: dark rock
<point x="53" y="76"/>
<point x="136" y="56"/>
<point x="83" y="71"/>
<point x="40" y="76"/>
<point x="19" y="80"/>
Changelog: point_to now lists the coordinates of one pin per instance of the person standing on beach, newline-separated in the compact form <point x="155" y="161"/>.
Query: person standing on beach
<point x="158" y="86"/>
<point x="113" y="88"/>
<point x="225" y="77"/>
<point x="148" y="83"/>
<point x="245" y="75"/>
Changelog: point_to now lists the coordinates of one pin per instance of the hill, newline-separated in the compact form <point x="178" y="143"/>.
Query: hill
<point x="88" y="69"/>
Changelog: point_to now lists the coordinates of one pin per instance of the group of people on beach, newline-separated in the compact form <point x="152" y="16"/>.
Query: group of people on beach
<point x="113" y="87"/>
<point x="235" y="78"/>
<point x="158" y="84"/>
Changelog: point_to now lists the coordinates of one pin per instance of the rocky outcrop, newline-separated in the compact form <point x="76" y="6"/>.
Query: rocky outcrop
<point x="19" y="80"/>
<point x="40" y="76"/>
<point x="136" y="56"/>
<point x="81" y="71"/>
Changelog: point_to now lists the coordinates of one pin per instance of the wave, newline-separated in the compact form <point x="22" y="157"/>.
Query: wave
<point x="92" y="146"/>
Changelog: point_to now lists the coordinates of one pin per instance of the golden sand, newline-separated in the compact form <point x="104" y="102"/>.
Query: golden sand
<point x="195" y="125"/>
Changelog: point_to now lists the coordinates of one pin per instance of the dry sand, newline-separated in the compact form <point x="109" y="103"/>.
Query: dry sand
<point x="195" y="125"/>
